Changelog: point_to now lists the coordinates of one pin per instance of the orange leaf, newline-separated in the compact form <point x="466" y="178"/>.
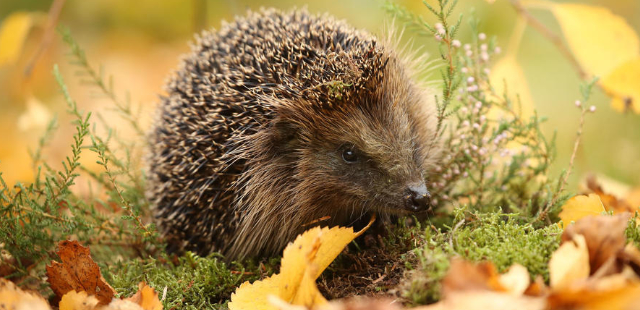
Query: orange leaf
<point x="78" y="272"/>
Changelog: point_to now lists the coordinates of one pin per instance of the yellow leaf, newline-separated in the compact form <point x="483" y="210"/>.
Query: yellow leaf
<point x="600" y="40"/>
<point x="302" y="262"/>
<point x="73" y="300"/>
<point x="146" y="297"/>
<point x="508" y="69"/>
<point x="13" y="32"/>
<point x="569" y="263"/>
<point x="12" y="297"/>
<point x="516" y="280"/>
<point x="580" y="206"/>
<point x="623" y="84"/>
<point x="37" y="115"/>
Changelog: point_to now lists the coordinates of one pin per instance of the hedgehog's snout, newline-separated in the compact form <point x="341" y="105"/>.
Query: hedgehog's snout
<point x="417" y="197"/>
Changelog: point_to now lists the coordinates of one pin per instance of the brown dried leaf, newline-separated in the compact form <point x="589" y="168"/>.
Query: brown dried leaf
<point x="467" y="276"/>
<point x="604" y="236"/>
<point x="610" y="202"/>
<point x="78" y="272"/>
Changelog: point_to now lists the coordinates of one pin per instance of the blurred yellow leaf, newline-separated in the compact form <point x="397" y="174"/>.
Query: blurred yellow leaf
<point x="37" y="115"/>
<point x="508" y="69"/>
<point x="12" y="297"/>
<point x="73" y="300"/>
<point x="302" y="262"/>
<point x="516" y="280"/>
<point x="623" y="84"/>
<point x="569" y="263"/>
<point x="13" y="32"/>
<point x="580" y="206"/>
<point x="600" y="40"/>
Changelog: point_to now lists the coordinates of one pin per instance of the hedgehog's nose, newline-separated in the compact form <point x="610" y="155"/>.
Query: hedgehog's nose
<point x="417" y="197"/>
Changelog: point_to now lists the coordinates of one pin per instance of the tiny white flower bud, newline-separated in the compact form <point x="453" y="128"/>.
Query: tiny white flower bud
<point x="470" y="79"/>
<point x="464" y="110"/>
<point x="439" y="26"/>
<point x="578" y="103"/>
<point x="483" y="118"/>
<point x="474" y="147"/>
<point x="476" y="126"/>
<point x="465" y="174"/>
<point x="464" y="70"/>
<point x="592" y="108"/>
<point x="469" y="53"/>
<point x="484" y="46"/>
<point x="434" y="202"/>
<point x="497" y="50"/>
<point x="462" y="136"/>
<point x="456" y="43"/>
<point x="486" y="71"/>
<point x="465" y="123"/>
<point x="438" y="38"/>
<point x="484" y="56"/>
<point x="467" y="47"/>
<point x="478" y="104"/>
<point x="482" y="36"/>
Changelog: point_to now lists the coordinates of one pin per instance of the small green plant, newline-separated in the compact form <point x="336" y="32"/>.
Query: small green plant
<point x="35" y="216"/>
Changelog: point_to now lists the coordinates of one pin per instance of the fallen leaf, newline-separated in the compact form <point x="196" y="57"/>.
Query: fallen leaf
<point x="610" y="202"/>
<point x="624" y="297"/>
<point x="12" y="297"/>
<point x="146" y="297"/>
<point x="623" y="85"/>
<point x="600" y="40"/>
<point x="467" y="276"/>
<point x="604" y="237"/>
<point x="73" y="300"/>
<point x="580" y="206"/>
<point x="78" y="272"/>
<point x="486" y="300"/>
<point x="13" y="33"/>
<point x="569" y="263"/>
<point x="516" y="280"/>
<point x="302" y="262"/>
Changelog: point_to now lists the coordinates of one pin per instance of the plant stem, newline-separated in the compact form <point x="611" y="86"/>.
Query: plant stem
<point x="547" y="33"/>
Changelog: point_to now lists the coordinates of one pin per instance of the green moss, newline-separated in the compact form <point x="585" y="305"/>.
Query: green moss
<point x="191" y="281"/>
<point x="496" y="237"/>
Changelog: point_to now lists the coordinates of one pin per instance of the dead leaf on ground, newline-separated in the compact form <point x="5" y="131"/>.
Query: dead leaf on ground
<point x="569" y="263"/>
<point x="604" y="236"/>
<point x="610" y="202"/>
<point x="580" y="206"/>
<point x="302" y="262"/>
<point x="146" y="297"/>
<point x="78" y="272"/>
<point x="467" y="276"/>
<point x="12" y="297"/>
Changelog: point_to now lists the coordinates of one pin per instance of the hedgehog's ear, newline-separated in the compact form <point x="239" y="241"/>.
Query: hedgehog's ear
<point x="284" y="135"/>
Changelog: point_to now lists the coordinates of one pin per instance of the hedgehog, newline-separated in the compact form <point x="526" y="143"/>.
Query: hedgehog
<point x="280" y="121"/>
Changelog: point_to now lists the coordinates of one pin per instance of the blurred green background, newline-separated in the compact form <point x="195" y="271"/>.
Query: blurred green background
<point x="140" y="42"/>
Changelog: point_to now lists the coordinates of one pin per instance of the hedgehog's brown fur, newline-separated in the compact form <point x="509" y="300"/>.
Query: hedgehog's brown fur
<point x="246" y="147"/>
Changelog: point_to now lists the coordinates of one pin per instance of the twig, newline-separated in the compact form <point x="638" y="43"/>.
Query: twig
<point x="52" y="20"/>
<point x="565" y="179"/>
<point x="554" y="38"/>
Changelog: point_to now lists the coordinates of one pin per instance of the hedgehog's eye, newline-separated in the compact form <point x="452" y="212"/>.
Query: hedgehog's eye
<point x="349" y="154"/>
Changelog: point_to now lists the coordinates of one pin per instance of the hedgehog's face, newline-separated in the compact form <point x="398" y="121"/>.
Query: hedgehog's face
<point x="370" y="158"/>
